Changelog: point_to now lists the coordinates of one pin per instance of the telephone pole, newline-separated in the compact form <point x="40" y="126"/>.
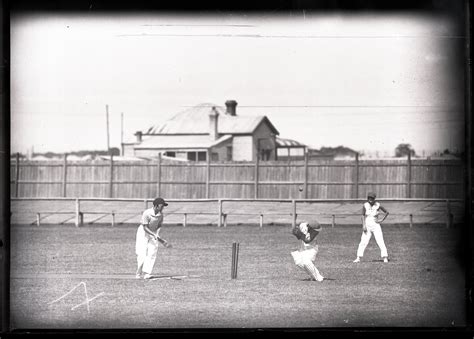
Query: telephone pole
<point x="107" y="117"/>
<point x="121" y="133"/>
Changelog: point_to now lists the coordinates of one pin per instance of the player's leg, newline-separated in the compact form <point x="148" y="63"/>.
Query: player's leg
<point x="299" y="260"/>
<point x="364" y="241"/>
<point x="140" y="250"/>
<point x="306" y="262"/>
<point x="378" y="235"/>
<point x="149" y="262"/>
<point x="312" y="270"/>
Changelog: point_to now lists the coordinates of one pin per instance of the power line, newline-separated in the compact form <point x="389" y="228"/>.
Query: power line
<point x="342" y="106"/>
<point x="296" y="36"/>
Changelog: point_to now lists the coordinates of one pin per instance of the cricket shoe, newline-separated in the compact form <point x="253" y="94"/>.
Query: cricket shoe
<point x="147" y="276"/>
<point x="357" y="260"/>
<point x="385" y="259"/>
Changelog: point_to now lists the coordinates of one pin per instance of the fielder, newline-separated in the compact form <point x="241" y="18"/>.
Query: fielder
<point x="304" y="257"/>
<point x="147" y="239"/>
<point x="371" y="224"/>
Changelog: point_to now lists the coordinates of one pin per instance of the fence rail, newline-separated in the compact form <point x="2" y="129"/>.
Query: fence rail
<point x="220" y="211"/>
<point x="283" y="180"/>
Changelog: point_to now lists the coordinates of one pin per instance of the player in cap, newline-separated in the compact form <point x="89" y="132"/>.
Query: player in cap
<point x="306" y="255"/>
<point x="371" y="225"/>
<point x="148" y="237"/>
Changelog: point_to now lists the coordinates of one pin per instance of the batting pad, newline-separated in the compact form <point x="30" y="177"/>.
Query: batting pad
<point x="313" y="271"/>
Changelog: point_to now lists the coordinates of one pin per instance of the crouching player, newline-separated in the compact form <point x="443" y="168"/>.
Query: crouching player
<point x="305" y="257"/>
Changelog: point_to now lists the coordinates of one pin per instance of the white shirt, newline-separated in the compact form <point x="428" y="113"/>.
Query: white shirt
<point x="152" y="220"/>
<point x="371" y="213"/>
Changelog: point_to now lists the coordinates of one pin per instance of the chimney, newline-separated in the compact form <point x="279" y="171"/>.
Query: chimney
<point x="213" y="117"/>
<point x="138" y="134"/>
<point x="231" y="107"/>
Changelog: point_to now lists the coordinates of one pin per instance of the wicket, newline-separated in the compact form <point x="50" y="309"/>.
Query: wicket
<point x="235" y="260"/>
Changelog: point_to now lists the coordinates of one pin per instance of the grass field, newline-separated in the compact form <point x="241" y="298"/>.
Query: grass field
<point x="422" y="286"/>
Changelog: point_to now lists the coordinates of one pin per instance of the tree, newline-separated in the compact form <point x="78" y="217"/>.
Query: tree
<point x="402" y="150"/>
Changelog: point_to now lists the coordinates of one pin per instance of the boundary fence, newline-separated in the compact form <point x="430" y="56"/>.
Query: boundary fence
<point x="306" y="179"/>
<point x="221" y="212"/>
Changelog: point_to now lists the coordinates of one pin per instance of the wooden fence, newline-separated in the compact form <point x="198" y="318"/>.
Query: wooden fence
<point x="307" y="179"/>
<point x="220" y="212"/>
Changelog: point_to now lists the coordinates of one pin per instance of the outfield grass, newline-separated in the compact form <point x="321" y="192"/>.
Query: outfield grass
<point x="422" y="286"/>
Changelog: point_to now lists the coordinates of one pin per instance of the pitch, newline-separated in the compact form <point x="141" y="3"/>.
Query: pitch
<point x="64" y="277"/>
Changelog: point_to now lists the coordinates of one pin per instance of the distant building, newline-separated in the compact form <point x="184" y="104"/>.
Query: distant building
<point x="209" y="129"/>
<point x="332" y="153"/>
<point x="288" y="149"/>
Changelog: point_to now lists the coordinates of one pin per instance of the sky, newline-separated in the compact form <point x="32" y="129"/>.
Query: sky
<point x="368" y="81"/>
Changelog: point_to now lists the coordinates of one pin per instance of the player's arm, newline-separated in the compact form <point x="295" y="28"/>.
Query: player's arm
<point x="313" y="231"/>
<point x="384" y="210"/>
<point x="163" y="241"/>
<point x="364" y="227"/>
<point x="296" y="231"/>
<point x="145" y="222"/>
<point x="160" y="239"/>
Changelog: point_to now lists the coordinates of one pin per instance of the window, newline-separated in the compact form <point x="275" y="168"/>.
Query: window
<point x="229" y="153"/>
<point x="197" y="156"/>
<point x="215" y="156"/>
<point x="170" y="154"/>
<point x="202" y="156"/>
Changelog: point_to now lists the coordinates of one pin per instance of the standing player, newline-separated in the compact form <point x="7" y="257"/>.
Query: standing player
<point x="304" y="257"/>
<point x="147" y="239"/>
<point x="371" y="224"/>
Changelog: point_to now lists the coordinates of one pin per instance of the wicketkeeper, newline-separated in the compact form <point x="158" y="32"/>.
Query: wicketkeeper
<point x="305" y="257"/>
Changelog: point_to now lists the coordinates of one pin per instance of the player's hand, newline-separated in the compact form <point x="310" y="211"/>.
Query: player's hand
<point x="364" y="229"/>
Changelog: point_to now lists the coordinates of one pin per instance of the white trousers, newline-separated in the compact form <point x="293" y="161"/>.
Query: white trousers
<point x="146" y="248"/>
<point x="305" y="260"/>
<point x="365" y="238"/>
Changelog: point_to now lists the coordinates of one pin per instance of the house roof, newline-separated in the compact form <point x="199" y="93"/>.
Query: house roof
<point x="195" y="120"/>
<point x="288" y="143"/>
<point x="180" y="142"/>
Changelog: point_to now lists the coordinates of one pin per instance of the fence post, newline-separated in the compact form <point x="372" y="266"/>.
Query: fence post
<point x="78" y="212"/>
<point x="219" y="217"/>
<point x="305" y="174"/>
<point x="64" y="174"/>
<point x="113" y="219"/>
<point x="17" y="173"/>
<point x="256" y="177"/>
<point x="411" y="220"/>
<point x="356" y="176"/>
<point x="111" y="175"/>
<point x="333" y="220"/>
<point x="38" y="219"/>
<point x="409" y="176"/>
<point x="208" y="172"/>
<point x="261" y="220"/>
<point x="293" y="202"/>
<point x="184" y="220"/>
<point x="158" y="180"/>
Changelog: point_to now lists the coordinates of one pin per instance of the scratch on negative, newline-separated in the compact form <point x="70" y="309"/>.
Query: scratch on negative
<point x="86" y="302"/>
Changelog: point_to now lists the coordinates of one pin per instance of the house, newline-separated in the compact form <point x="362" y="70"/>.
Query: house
<point x="208" y="130"/>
